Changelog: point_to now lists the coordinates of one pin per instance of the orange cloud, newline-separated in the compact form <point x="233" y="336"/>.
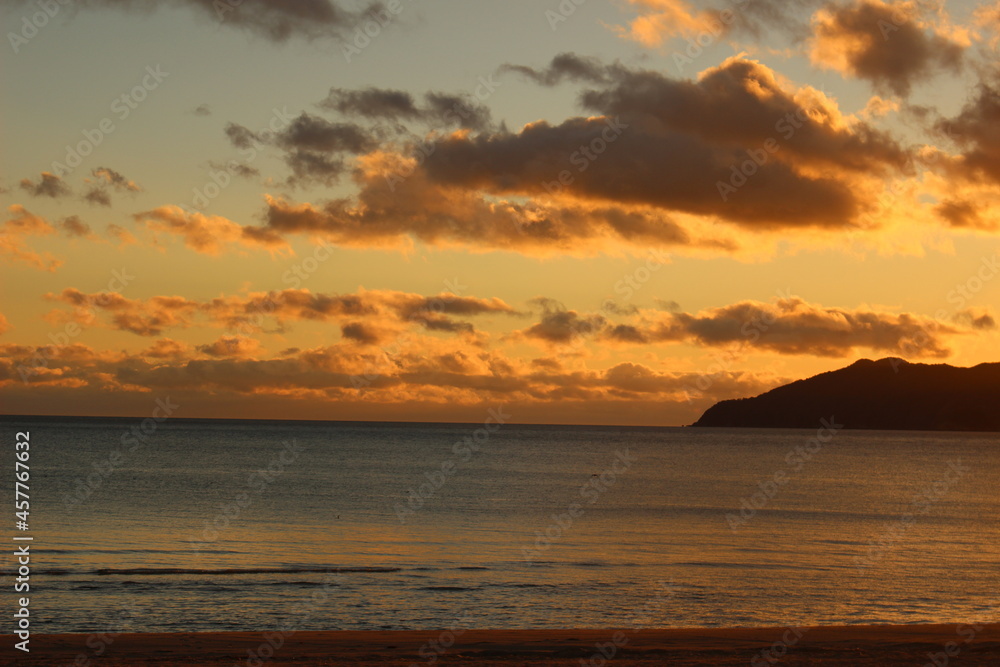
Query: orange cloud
<point x="324" y="379"/>
<point x="145" y="318"/>
<point x="167" y="348"/>
<point x="659" y="162"/>
<point x="211" y="235"/>
<point x="49" y="185"/>
<point x="382" y="310"/>
<point x="787" y="326"/>
<point x="661" y="19"/>
<point x="12" y="246"/>
<point x="891" y="45"/>
<point x="974" y="129"/>
<point x="276" y="21"/>
<point x="793" y="326"/>
<point x="232" y="346"/>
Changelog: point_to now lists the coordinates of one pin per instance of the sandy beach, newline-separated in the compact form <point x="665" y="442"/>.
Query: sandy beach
<point x="918" y="645"/>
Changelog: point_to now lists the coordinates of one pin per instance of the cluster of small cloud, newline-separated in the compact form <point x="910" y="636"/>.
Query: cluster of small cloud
<point x="893" y="45"/>
<point x="432" y="371"/>
<point x="671" y="169"/>
<point x="643" y="168"/>
<point x="276" y="21"/>
<point x="318" y="150"/>
<point x="789" y="326"/>
<point x="678" y="144"/>
<point x="104" y="180"/>
<point x="367" y="318"/>
<point x="22" y="223"/>
<point x="209" y="234"/>
<point x="433" y="378"/>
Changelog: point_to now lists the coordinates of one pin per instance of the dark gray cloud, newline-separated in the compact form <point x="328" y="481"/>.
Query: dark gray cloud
<point x="793" y="326"/>
<point x="115" y="179"/>
<point x="73" y="226"/>
<point x="314" y="147"/>
<point x="106" y="178"/>
<point x="666" y="169"/>
<point x="240" y="136"/>
<point x="372" y="103"/>
<point x="963" y="213"/>
<point x="313" y="133"/>
<point x="49" y="185"/>
<point x="887" y="44"/>
<point x="389" y="215"/>
<point x="98" y="196"/>
<point x="438" y="110"/>
<point x="564" y="67"/>
<point x="360" y="333"/>
<point x="276" y="20"/>
<point x="974" y="130"/>
<point x="979" y="319"/>
<point x="560" y="326"/>
<point x="670" y="143"/>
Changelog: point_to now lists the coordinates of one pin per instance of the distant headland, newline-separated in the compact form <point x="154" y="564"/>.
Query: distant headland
<point x="888" y="394"/>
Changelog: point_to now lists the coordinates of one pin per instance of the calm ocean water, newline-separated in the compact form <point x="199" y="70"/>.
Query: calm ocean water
<point x="251" y="525"/>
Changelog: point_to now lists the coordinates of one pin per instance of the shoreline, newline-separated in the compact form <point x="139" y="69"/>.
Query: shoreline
<point x="859" y="645"/>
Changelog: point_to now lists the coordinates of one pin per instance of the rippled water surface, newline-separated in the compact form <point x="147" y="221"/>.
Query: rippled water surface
<point x="250" y="525"/>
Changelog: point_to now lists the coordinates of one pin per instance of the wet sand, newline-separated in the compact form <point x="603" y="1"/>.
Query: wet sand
<point x="861" y="646"/>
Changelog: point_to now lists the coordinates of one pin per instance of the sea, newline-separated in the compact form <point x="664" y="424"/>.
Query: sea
<point x="208" y="525"/>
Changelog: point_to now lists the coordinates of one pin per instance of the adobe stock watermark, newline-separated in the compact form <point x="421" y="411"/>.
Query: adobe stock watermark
<point x="43" y="355"/>
<point x="646" y="614"/>
<point x="484" y="89"/>
<point x="587" y="154"/>
<point x="432" y="650"/>
<point x="591" y="492"/>
<point x="98" y="643"/>
<point x="921" y="504"/>
<point x="887" y="200"/>
<point x="959" y="297"/>
<point x="967" y="634"/>
<point x="712" y="31"/>
<point x="463" y="451"/>
<point x="256" y="312"/>
<point x="609" y="650"/>
<point x="32" y="24"/>
<point x="303" y="611"/>
<point x="796" y="459"/>
<point x="121" y="107"/>
<point x="369" y="29"/>
<point x="562" y="12"/>
<point x="779" y="649"/>
<point x="635" y="280"/>
<point x="742" y="172"/>
<point x="630" y="283"/>
<point x="220" y="179"/>
<point x="900" y="18"/>
<point x="132" y="440"/>
<point x="751" y="331"/>
<point x="437" y="304"/>
<point x="257" y="484"/>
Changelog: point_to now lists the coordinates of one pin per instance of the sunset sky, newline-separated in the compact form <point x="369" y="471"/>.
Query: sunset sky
<point x="600" y="211"/>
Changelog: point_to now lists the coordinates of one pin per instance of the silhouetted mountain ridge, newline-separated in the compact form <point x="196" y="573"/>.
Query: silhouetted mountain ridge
<point x="885" y="394"/>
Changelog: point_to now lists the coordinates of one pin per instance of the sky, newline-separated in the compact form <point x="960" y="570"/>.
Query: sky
<point x="576" y="211"/>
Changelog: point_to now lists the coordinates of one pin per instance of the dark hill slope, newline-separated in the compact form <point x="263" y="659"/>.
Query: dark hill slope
<point x="884" y="394"/>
